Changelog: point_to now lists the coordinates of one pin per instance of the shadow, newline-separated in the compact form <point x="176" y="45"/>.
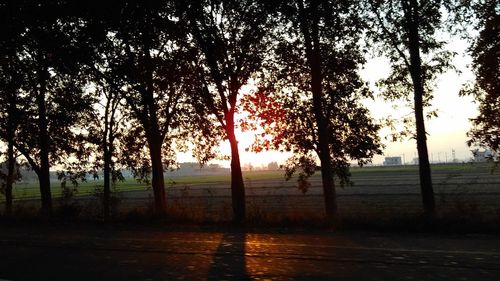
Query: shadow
<point x="229" y="258"/>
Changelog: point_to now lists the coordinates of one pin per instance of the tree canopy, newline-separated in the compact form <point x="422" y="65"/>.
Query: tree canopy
<point x="171" y="76"/>
<point x="406" y="31"/>
<point x="309" y="99"/>
<point x="485" y="52"/>
<point x="231" y="38"/>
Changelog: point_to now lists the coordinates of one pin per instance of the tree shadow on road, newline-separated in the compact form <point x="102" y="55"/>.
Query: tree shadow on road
<point x="229" y="259"/>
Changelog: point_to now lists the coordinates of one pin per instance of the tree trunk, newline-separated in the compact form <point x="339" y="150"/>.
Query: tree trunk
<point x="107" y="182"/>
<point x="11" y="159"/>
<point x="158" y="180"/>
<point x="44" y="181"/>
<point x="11" y="166"/>
<point x="155" y="138"/>
<point x="324" y="148"/>
<point x="107" y="144"/>
<point x="313" y="54"/>
<point x="418" y="90"/>
<point x="423" y="158"/>
<point x="43" y="139"/>
<point x="237" y="184"/>
<point x="155" y="141"/>
<point x="328" y="182"/>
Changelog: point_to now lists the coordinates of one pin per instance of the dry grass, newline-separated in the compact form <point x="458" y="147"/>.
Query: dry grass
<point x="462" y="219"/>
<point x="382" y="199"/>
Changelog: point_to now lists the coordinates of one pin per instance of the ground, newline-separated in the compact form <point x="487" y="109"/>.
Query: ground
<point x="168" y="252"/>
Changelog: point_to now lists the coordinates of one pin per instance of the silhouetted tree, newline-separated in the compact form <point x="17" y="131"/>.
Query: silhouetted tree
<point x="10" y="82"/>
<point x="231" y="37"/>
<point x="311" y="103"/>
<point x="131" y="67"/>
<point x="406" y="32"/>
<point x="144" y="60"/>
<point x="485" y="52"/>
<point x="106" y="130"/>
<point x="53" y="102"/>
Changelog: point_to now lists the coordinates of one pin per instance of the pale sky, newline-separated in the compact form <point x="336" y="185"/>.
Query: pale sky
<point x="447" y="132"/>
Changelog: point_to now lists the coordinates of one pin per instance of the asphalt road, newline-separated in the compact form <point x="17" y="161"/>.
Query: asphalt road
<point x="172" y="253"/>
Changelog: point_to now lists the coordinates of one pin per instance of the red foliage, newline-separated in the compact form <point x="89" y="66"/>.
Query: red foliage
<point x="265" y="112"/>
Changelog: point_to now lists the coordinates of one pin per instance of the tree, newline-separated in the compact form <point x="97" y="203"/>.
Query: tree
<point x="106" y="130"/>
<point x="142" y="57"/>
<point x="327" y="49"/>
<point x="10" y="80"/>
<point x="10" y="83"/>
<point x="231" y="38"/>
<point x="51" y="95"/>
<point x="311" y="102"/>
<point x="486" y="89"/>
<point x="405" y="31"/>
<point x="131" y="66"/>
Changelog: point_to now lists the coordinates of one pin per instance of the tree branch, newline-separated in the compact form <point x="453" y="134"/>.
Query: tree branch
<point x="390" y="35"/>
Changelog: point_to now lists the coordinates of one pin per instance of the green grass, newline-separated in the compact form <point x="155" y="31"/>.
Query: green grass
<point x="462" y="211"/>
<point x="450" y="167"/>
<point x="211" y="179"/>
<point x="30" y="190"/>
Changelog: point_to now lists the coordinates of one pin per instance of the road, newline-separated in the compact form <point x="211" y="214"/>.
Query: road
<point x="69" y="252"/>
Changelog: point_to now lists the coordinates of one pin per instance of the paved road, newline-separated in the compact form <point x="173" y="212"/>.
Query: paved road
<point x="145" y="253"/>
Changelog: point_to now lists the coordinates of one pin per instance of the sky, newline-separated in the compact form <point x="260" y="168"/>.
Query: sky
<point x="446" y="133"/>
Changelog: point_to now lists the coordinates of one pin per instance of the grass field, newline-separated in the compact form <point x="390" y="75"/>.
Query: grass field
<point x="462" y="191"/>
<point x="30" y="190"/>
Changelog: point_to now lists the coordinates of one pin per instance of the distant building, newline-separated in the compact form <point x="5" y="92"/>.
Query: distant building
<point x="393" y="161"/>
<point x="273" y="166"/>
<point x="193" y="168"/>
<point x="479" y="156"/>
<point x="483" y="156"/>
<point x="247" y="167"/>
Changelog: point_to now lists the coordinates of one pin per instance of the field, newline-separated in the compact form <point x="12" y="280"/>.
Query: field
<point x="463" y="189"/>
